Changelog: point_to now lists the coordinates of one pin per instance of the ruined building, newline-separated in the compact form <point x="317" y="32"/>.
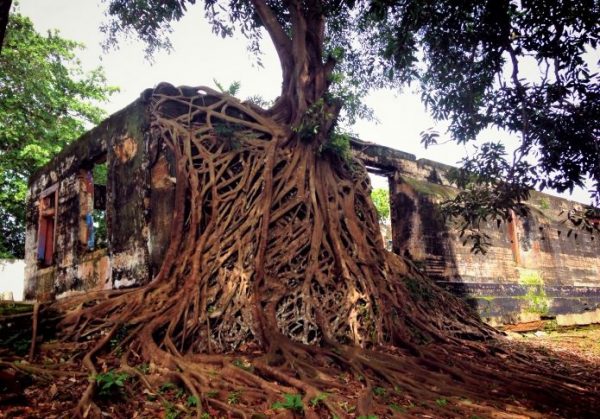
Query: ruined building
<point x="98" y="216"/>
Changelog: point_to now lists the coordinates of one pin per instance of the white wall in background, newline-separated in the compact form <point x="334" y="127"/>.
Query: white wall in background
<point x="12" y="279"/>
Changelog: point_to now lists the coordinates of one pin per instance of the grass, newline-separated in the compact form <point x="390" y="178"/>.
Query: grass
<point x="8" y="308"/>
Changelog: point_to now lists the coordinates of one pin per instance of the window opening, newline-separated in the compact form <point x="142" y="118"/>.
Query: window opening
<point x="47" y="225"/>
<point x="100" y="176"/>
<point x="381" y="198"/>
<point x="92" y="200"/>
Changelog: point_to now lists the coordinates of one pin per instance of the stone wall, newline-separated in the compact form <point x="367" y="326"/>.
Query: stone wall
<point x="121" y="142"/>
<point x="533" y="269"/>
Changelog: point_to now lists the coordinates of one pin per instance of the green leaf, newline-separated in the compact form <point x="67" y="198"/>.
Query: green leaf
<point x="291" y="402"/>
<point x="192" y="401"/>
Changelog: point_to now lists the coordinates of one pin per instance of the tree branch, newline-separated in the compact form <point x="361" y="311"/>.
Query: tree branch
<point x="280" y="40"/>
<point x="4" y="12"/>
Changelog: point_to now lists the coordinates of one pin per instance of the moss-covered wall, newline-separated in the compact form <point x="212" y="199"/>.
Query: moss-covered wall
<point x="533" y="269"/>
<point x="121" y="141"/>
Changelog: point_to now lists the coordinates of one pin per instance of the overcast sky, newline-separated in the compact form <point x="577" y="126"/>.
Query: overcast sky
<point x="199" y="57"/>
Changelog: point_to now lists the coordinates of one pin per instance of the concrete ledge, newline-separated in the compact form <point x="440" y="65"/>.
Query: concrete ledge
<point x="578" y="319"/>
<point x="514" y="303"/>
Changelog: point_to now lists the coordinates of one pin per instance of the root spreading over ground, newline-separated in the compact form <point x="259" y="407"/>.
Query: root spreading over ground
<point x="276" y="283"/>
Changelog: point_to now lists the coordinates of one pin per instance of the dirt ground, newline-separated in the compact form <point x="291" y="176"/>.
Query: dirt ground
<point x="576" y="342"/>
<point x="576" y="350"/>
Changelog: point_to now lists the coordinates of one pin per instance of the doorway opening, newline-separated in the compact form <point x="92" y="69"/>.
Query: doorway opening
<point x="381" y="198"/>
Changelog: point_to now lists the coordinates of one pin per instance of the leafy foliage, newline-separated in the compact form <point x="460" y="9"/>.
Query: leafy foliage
<point x="291" y="402"/>
<point x="473" y="55"/>
<point x="46" y="101"/>
<point x="441" y="402"/>
<point x="233" y="89"/>
<point x="318" y="399"/>
<point x="379" y="391"/>
<point x="234" y="397"/>
<point x="170" y="410"/>
<point x="166" y="387"/>
<point x="111" y="382"/>
<point x="338" y="143"/>
<point x="535" y="296"/>
<point x="243" y="364"/>
<point x="586" y="219"/>
<point x="492" y="191"/>
<point x="381" y="199"/>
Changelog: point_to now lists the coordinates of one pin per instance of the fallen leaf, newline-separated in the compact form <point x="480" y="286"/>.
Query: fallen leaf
<point x="53" y="391"/>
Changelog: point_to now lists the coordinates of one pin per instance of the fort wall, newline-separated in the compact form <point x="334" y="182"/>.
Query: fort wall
<point x="534" y="268"/>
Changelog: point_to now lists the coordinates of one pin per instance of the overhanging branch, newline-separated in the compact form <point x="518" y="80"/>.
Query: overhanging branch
<point x="280" y="40"/>
<point x="4" y="12"/>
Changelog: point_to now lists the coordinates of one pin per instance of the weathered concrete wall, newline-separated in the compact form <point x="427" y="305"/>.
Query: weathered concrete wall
<point x="12" y="279"/>
<point x="127" y="203"/>
<point x="121" y="141"/>
<point x="533" y="269"/>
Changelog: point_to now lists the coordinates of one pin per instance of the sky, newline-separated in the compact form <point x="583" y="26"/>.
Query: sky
<point x="199" y="57"/>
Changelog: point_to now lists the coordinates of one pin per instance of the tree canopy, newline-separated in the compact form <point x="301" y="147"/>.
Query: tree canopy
<point x="46" y="101"/>
<point x="468" y="56"/>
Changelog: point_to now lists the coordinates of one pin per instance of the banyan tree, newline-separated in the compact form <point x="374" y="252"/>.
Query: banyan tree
<point x="276" y="276"/>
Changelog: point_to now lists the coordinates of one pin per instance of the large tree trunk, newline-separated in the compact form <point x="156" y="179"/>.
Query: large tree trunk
<point x="274" y="238"/>
<point x="4" y="13"/>
<point x="306" y="73"/>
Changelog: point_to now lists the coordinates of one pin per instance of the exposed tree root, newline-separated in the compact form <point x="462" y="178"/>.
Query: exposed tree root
<point x="36" y="313"/>
<point x="276" y="281"/>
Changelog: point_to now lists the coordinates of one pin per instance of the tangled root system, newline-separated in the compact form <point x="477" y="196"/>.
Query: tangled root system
<point x="276" y="282"/>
